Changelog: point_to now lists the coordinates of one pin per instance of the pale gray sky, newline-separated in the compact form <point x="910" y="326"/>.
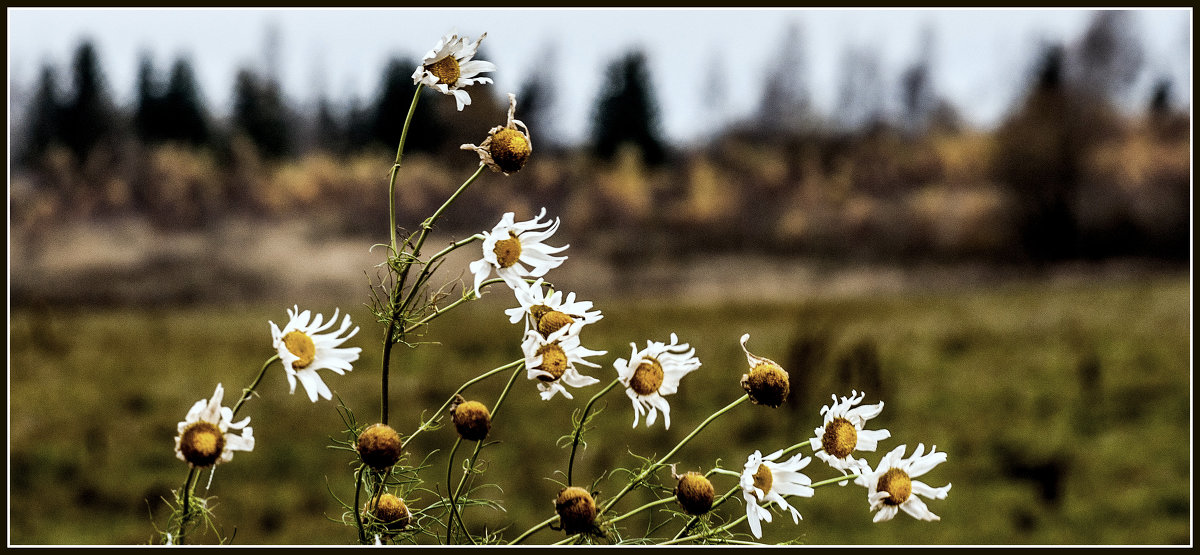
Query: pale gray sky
<point x="980" y="57"/>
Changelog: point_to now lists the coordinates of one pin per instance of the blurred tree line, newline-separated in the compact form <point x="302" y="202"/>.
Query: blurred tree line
<point x="893" y="172"/>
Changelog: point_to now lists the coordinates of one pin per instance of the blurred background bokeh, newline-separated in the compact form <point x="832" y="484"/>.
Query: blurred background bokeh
<point x="1005" y="264"/>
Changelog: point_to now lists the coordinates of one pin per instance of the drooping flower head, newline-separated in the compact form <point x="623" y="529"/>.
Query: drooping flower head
<point x="206" y="437"/>
<point x="694" y="493"/>
<point x="449" y="67"/>
<point x="389" y="510"/>
<point x="548" y="313"/>
<point x="506" y="148"/>
<point x="764" y="481"/>
<point x="552" y="360"/>
<point x="472" y="419"/>
<point x="379" y="446"/>
<point x="651" y="373"/>
<point x="511" y="245"/>
<point x="303" y="350"/>
<point x="767" y="383"/>
<point x="891" y="487"/>
<point x="843" y="432"/>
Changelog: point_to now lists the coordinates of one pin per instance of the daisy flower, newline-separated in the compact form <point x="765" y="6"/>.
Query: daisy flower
<point x="303" y="349"/>
<point x="552" y="360"/>
<point x="653" y="372"/>
<point x="449" y="67"/>
<point x="764" y="481"/>
<point x="204" y="436"/>
<point x="891" y="486"/>
<point x="548" y="313"/>
<point x="843" y="433"/>
<point x="507" y="148"/>
<point x="511" y="245"/>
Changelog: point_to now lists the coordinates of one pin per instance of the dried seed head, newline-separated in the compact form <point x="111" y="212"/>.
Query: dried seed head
<point x="767" y="384"/>
<point x="509" y="149"/>
<point x="472" y="420"/>
<point x="694" y="493"/>
<point x="379" y="446"/>
<point x="576" y="510"/>
<point x="391" y="511"/>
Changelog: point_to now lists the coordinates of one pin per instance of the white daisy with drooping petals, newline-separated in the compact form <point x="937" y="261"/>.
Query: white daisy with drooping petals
<point x="449" y="67"/>
<point x="843" y="432"/>
<point x="653" y="372"/>
<point x="548" y="313"/>
<point x="206" y="435"/>
<point x="891" y="487"/>
<point x="511" y="245"/>
<point x="764" y="481"/>
<point x="303" y="350"/>
<point x="552" y="360"/>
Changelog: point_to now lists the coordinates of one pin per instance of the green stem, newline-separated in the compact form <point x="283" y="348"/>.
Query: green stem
<point x="714" y="531"/>
<point x="187" y="505"/>
<point x="412" y="108"/>
<point x="425" y="425"/>
<point x="399" y="307"/>
<point x="834" y="480"/>
<point x="442" y="310"/>
<point x="246" y="393"/>
<point x="649" y="505"/>
<point x="449" y="473"/>
<point x="579" y="429"/>
<point x="535" y="528"/>
<point x="633" y="483"/>
<point x="474" y="456"/>
<point x="362" y="533"/>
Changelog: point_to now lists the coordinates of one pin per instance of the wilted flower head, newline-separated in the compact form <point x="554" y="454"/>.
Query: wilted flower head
<point x="843" y="432"/>
<point x="764" y="481"/>
<point x="204" y="435"/>
<point x="552" y="359"/>
<point x="549" y="313"/>
<point x="654" y="372"/>
<point x="511" y="245"/>
<point x="303" y="350"/>
<point x="891" y="487"/>
<point x="767" y="382"/>
<point x="507" y="148"/>
<point x="449" y="67"/>
<point x="390" y="511"/>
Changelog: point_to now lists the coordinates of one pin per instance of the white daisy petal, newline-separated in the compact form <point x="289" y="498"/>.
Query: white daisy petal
<point x="316" y="350"/>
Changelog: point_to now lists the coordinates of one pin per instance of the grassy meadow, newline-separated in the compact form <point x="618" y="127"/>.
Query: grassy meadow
<point x="1064" y="407"/>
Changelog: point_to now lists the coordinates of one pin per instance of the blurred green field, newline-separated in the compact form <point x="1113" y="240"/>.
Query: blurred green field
<point x="1064" y="409"/>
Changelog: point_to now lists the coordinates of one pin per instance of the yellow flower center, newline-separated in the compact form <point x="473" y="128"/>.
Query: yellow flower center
<point x="840" y="438"/>
<point x="300" y="344"/>
<point x="508" y="251"/>
<point x="647" y="378"/>
<point x="898" y="485"/>
<point x="554" y="361"/>
<point x="445" y="69"/>
<point x="763" y="479"/>
<point x="202" y="444"/>
<point x="552" y="321"/>
<point x="509" y="149"/>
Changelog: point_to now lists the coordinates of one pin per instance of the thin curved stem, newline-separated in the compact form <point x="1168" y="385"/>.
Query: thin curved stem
<point x="579" y="429"/>
<point x="424" y="425"/>
<point x="412" y="108"/>
<point x="442" y="310"/>
<point x="633" y="483"/>
<point x="649" y="505"/>
<point x="362" y="533"/>
<point x="246" y="393"/>
<point x="187" y="505"/>
<point x="535" y="528"/>
<point x="449" y="473"/>
<point x="474" y="457"/>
